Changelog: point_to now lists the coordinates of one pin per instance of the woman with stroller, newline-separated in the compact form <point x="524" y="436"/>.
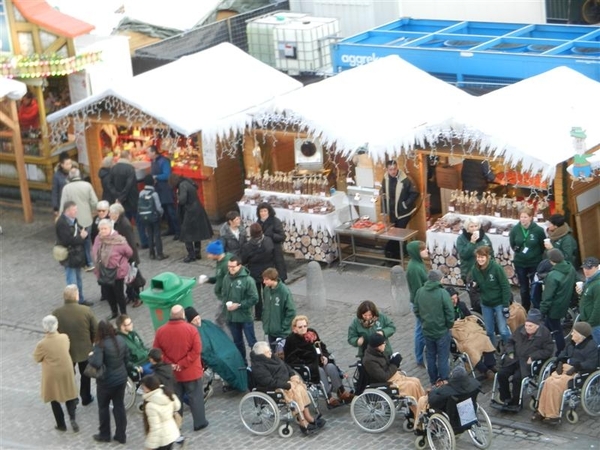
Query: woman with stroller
<point x="273" y="373"/>
<point x="580" y="355"/>
<point x="304" y="347"/>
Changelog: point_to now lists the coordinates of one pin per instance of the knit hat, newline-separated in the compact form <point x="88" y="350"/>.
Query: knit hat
<point x="558" y="220"/>
<point x="451" y="291"/>
<point x="583" y="328"/>
<point x="435" y="275"/>
<point x="590" y="263"/>
<point x="376" y="340"/>
<point x="458" y="372"/>
<point x="555" y="255"/>
<point x="215" y="248"/>
<point x="190" y="313"/>
<point x="534" y="316"/>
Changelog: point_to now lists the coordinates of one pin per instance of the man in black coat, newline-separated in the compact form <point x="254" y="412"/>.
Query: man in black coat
<point x="123" y="184"/>
<point x="72" y="235"/>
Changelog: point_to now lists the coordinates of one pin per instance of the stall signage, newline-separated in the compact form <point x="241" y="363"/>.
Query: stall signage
<point x="209" y="153"/>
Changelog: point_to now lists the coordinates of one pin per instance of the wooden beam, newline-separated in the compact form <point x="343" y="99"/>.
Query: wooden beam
<point x="7" y="121"/>
<point x="14" y="36"/>
<point x="58" y="43"/>
<point x="20" y="163"/>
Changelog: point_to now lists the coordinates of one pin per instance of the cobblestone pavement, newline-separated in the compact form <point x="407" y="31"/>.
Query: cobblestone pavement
<point x="31" y="285"/>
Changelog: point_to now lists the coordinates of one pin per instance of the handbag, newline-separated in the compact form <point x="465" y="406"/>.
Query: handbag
<point x="93" y="372"/>
<point x="60" y="252"/>
<point x="106" y="275"/>
<point x="131" y="274"/>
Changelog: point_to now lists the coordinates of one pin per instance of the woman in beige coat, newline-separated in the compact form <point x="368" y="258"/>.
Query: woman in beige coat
<point x="160" y="403"/>
<point x="58" y="378"/>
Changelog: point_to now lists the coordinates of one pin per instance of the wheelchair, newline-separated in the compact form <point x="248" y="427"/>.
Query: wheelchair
<point x="263" y="411"/>
<point x="530" y="385"/>
<point x="440" y="428"/>
<point x="318" y="390"/>
<point x="374" y="406"/>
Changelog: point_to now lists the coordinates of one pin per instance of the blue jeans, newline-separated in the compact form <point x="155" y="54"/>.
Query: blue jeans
<point x="596" y="334"/>
<point x="87" y="246"/>
<point x="419" y="339"/>
<point x="74" y="277"/>
<point x="238" y="329"/>
<point x="492" y="317"/>
<point x="525" y="276"/>
<point x="438" y="355"/>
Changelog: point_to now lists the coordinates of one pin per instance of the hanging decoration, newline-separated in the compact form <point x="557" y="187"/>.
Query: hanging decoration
<point x="43" y="66"/>
<point x="584" y="167"/>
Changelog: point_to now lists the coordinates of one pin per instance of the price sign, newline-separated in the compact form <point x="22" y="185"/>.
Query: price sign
<point x="323" y="208"/>
<point x="247" y="182"/>
<point x="450" y="208"/>
<point x="505" y="233"/>
<point x="290" y="207"/>
<point x="253" y="202"/>
<point x="447" y="230"/>
<point x="297" y="209"/>
<point x="298" y="192"/>
<point x="492" y="231"/>
<point x="311" y="211"/>
<point x="241" y="202"/>
<point x="322" y="194"/>
<point x="497" y="214"/>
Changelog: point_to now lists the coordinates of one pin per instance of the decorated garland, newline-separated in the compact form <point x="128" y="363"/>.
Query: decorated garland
<point x="42" y="66"/>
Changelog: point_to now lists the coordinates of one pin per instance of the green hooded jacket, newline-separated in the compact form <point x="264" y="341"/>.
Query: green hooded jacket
<point x="278" y="310"/>
<point x="138" y="352"/>
<point x="466" y="250"/>
<point x="434" y="308"/>
<point x="416" y="272"/>
<point x="559" y="286"/>
<point x="493" y="284"/>
<point x="220" y="273"/>
<point x="589" y="303"/>
<point x="357" y="330"/>
<point x="528" y="245"/>
<point x="239" y="288"/>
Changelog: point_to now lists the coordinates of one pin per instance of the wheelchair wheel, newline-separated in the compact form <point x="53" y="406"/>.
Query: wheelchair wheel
<point x="481" y="433"/>
<point x="373" y="411"/>
<point x="439" y="433"/>
<point x="130" y="393"/>
<point x="590" y="394"/>
<point x="285" y="430"/>
<point x="408" y="424"/>
<point x="259" y="413"/>
<point x="572" y="416"/>
<point x="421" y="443"/>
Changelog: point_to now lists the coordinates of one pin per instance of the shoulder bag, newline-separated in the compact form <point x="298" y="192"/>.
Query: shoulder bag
<point x="60" y="252"/>
<point x="92" y="372"/>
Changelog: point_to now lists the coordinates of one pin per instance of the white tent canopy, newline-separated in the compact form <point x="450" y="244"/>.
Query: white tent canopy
<point x="12" y="89"/>
<point x="211" y="91"/>
<point x="389" y="105"/>
<point x="529" y="122"/>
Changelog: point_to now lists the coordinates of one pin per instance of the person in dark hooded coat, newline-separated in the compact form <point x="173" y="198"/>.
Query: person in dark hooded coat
<point x="273" y="228"/>
<point x="195" y="225"/>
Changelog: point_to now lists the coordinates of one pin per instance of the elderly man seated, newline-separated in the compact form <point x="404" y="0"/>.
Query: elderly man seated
<point x="272" y="373"/>
<point x="580" y="355"/>
<point x="380" y="369"/>
<point x="531" y="341"/>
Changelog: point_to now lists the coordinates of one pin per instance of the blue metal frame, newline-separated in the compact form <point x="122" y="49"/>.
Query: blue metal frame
<point x="476" y="51"/>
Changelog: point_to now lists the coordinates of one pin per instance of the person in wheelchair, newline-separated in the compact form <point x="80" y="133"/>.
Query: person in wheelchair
<point x="270" y="373"/>
<point x="471" y="338"/>
<point x="382" y="369"/>
<point x="304" y="347"/>
<point x="529" y="342"/>
<point x="459" y="385"/>
<point x="137" y="349"/>
<point x="580" y="355"/>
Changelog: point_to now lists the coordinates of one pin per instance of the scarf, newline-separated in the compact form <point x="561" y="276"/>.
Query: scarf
<point x="106" y="246"/>
<point x="559" y="232"/>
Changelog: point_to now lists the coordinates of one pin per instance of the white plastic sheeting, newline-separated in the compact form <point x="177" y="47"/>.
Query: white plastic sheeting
<point x="12" y="89"/>
<point x="387" y="106"/>
<point x="529" y="122"/>
<point x="211" y="91"/>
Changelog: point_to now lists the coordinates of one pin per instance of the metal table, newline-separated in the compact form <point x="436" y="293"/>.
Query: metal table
<point x="399" y="235"/>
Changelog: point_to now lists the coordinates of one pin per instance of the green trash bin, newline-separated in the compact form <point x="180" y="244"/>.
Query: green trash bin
<point x="165" y="291"/>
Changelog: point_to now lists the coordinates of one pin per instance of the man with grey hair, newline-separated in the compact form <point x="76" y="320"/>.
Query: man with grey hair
<point x="80" y="324"/>
<point x="181" y="346"/>
<point x="82" y="193"/>
<point x="434" y="308"/>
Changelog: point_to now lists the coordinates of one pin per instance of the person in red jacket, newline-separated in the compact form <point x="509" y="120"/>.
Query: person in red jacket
<point x="29" y="114"/>
<point x="181" y="346"/>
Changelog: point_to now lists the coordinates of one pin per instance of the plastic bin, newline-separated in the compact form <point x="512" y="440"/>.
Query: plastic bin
<point x="165" y="291"/>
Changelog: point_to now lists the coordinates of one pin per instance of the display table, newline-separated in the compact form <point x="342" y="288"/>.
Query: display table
<point x="444" y="256"/>
<point x="399" y="235"/>
<point x="309" y="235"/>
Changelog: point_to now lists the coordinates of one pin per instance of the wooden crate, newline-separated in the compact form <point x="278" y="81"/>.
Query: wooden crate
<point x="447" y="177"/>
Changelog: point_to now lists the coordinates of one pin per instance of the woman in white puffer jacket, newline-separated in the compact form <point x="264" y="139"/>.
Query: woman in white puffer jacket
<point x="159" y="406"/>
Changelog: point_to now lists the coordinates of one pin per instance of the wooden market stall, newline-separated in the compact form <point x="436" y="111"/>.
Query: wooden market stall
<point x="39" y="50"/>
<point x="195" y="109"/>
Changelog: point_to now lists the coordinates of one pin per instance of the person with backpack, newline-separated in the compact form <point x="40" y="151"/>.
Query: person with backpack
<point x="149" y="213"/>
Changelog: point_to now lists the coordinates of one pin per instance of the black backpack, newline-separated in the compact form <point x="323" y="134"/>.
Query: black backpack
<point x="147" y="208"/>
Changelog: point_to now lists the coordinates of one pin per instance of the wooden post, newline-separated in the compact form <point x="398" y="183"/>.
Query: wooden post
<point x="20" y="162"/>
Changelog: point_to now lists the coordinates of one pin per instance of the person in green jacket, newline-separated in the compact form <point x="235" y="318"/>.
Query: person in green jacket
<point x="416" y="276"/>
<point x="492" y="282"/>
<point x="561" y="238"/>
<point x="239" y="295"/>
<point x="215" y="252"/>
<point x="559" y="286"/>
<point x="278" y="307"/>
<point x="527" y="242"/>
<point x="589" y="303"/>
<point x="138" y="352"/>
<point x="434" y="308"/>
<point x="471" y="238"/>
<point x="368" y="321"/>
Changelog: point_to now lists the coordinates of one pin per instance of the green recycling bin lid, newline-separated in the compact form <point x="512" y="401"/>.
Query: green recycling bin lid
<point x="166" y="289"/>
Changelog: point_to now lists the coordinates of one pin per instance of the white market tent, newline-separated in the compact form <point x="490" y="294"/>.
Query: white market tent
<point x="211" y="91"/>
<point x="529" y="122"/>
<point x="388" y="105"/>
<point x="12" y="89"/>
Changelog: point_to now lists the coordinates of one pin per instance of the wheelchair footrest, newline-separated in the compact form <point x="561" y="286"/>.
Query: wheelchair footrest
<point x="504" y="407"/>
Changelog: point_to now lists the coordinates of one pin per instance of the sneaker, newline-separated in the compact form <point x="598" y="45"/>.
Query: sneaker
<point x="100" y="438"/>
<point x="537" y="417"/>
<point x="189" y="259"/>
<point x="75" y="426"/>
<point x="346" y="397"/>
<point x="86" y="303"/>
<point x="180" y="440"/>
<point x="89" y="268"/>
<point x="137" y="303"/>
<point x="333" y="402"/>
